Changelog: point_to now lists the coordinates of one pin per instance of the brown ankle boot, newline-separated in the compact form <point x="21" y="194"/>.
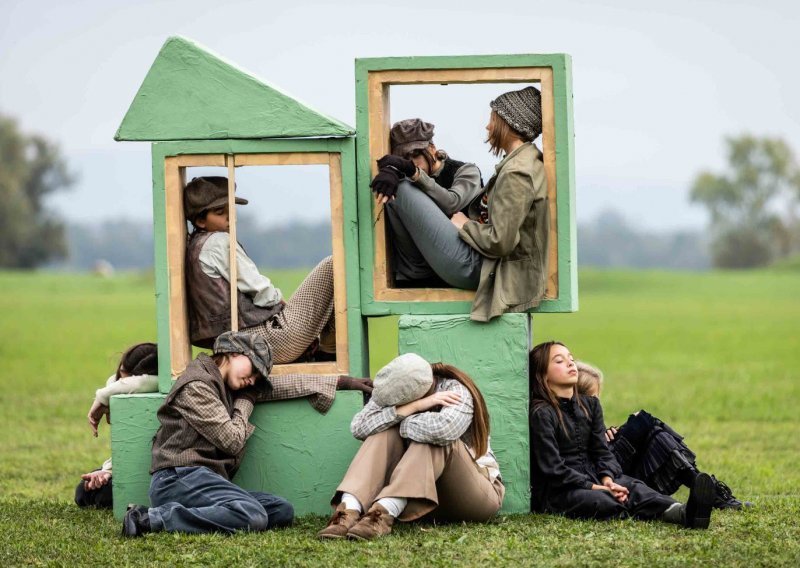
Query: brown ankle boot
<point x="377" y="522"/>
<point x="341" y="522"/>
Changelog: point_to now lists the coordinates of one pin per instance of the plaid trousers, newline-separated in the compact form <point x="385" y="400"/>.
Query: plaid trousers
<point x="307" y="313"/>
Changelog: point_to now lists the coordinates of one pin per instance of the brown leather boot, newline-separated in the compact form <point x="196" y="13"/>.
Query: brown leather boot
<point x="341" y="522"/>
<point x="378" y="522"/>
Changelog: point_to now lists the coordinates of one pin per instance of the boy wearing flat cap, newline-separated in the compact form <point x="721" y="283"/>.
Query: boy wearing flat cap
<point x="201" y="442"/>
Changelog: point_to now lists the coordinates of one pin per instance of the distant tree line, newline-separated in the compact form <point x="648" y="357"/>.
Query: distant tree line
<point x="754" y="209"/>
<point x="754" y="204"/>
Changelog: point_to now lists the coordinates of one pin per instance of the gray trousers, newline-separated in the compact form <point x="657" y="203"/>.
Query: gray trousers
<point x="426" y="243"/>
<point x="197" y="500"/>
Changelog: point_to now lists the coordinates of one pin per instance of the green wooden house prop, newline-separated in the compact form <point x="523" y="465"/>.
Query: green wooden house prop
<point x="199" y="110"/>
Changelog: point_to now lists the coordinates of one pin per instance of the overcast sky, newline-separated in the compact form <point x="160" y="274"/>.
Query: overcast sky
<point x="657" y="85"/>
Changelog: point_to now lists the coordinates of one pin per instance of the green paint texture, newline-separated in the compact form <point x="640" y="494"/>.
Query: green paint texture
<point x="561" y="65"/>
<point x="495" y="355"/>
<point x="345" y="147"/>
<point x="295" y="452"/>
<point x="190" y="93"/>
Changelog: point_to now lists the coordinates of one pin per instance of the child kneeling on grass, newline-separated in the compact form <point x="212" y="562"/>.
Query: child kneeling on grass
<point x="200" y="444"/>
<point x="648" y="449"/>
<point x="425" y="452"/>
<point x="572" y="470"/>
<point x="137" y="372"/>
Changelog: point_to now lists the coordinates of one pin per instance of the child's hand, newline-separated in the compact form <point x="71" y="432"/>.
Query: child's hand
<point x="96" y="413"/>
<point x="610" y="433"/>
<point x="458" y="219"/>
<point x="95" y="479"/>
<point x="619" y="492"/>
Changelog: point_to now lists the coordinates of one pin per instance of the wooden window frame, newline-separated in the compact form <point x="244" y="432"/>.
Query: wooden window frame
<point x="174" y="183"/>
<point x="378" y="100"/>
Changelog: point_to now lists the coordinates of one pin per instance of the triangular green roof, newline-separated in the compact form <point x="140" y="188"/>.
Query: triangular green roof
<point x="193" y="94"/>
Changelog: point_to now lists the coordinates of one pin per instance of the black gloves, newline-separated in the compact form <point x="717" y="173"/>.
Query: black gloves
<point x="405" y="167"/>
<point x="392" y="169"/>
<point x="385" y="183"/>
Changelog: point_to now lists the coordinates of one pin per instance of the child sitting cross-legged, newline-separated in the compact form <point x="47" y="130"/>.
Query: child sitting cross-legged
<point x="200" y="444"/>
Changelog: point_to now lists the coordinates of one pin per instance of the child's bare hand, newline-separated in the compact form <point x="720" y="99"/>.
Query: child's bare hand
<point x="610" y="433"/>
<point x="440" y="398"/>
<point x="619" y="492"/>
<point x="458" y="219"/>
<point x="95" y="479"/>
<point x="96" y="413"/>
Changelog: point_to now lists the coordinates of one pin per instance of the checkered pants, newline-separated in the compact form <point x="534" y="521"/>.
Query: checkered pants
<point x="307" y="313"/>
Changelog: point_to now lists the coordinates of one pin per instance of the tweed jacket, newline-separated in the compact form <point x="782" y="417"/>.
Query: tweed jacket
<point x="201" y="423"/>
<point x="514" y="242"/>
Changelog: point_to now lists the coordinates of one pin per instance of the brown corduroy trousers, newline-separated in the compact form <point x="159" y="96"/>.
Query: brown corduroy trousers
<point x="441" y="480"/>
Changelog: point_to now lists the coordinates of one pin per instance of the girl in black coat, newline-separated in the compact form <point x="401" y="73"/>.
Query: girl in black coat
<point x="572" y="470"/>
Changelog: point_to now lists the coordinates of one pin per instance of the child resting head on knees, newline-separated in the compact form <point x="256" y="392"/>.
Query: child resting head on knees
<point x="648" y="449"/>
<point x="426" y="450"/>
<point x="137" y="372"/>
<point x="572" y="470"/>
<point x="291" y="327"/>
<point x="200" y="444"/>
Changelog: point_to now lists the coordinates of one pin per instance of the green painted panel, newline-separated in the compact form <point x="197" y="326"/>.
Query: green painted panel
<point x="567" y="300"/>
<point x="357" y="335"/>
<point x="191" y="93"/>
<point x="295" y="452"/>
<point x="300" y="454"/>
<point x="495" y="355"/>
<point x="133" y="425"/>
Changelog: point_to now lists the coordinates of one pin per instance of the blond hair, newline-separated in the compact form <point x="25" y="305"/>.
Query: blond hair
<point x="589" y="377"/>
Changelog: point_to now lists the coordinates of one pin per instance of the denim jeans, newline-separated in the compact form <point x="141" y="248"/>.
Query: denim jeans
<point x="197" y="500"/>
<point x="426" y="242"/>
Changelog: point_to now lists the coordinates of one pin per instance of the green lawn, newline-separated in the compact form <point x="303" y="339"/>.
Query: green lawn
<point x="717" y="355"/>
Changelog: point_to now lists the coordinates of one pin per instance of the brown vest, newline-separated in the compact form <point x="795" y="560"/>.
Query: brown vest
<point x="210" y="300"/>
<point x="177" y="443"/>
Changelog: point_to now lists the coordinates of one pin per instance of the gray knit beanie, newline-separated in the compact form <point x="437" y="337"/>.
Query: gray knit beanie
<point x="522" y="110"/>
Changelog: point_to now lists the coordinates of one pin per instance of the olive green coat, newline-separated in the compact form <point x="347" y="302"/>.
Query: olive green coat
<point x="514" y="242"/>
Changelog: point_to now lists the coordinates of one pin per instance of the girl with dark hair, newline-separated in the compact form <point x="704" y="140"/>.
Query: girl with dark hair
<point x="137" y="372"/>
<point x="572" y="470"/>
<point x="648" y="449"/>
<point x="425" y="452"/>
<point x="499" y="246"/>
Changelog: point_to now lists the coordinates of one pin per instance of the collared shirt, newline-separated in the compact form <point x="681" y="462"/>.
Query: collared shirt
<point x="439" y="428"/>
<point x="215" y="262"/>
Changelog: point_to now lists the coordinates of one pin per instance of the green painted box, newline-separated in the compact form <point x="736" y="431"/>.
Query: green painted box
<point x="375" y="77"/>
<point x="495" y="355"/>
<point x="295" y="452"/>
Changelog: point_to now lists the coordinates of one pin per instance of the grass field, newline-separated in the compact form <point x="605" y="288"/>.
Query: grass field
<point x="716" y="355"/>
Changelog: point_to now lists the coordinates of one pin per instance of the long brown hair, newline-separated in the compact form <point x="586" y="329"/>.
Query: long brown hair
<point x="540" y="393"/>
<point x="500" y="134"/>
<point x="479" y="429"/>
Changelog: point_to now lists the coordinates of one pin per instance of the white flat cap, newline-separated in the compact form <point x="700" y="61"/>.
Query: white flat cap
<point x="404" y="379"/>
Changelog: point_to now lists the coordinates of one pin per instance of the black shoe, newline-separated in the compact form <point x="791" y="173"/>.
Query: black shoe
<point x="701" y="500"/>
<point x="724" y="497"/>
<point x="136" y="521"/>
